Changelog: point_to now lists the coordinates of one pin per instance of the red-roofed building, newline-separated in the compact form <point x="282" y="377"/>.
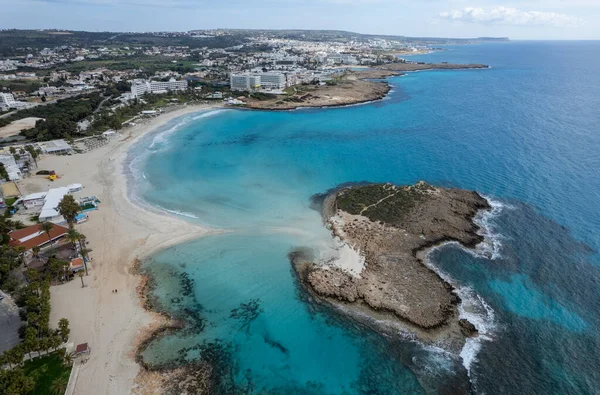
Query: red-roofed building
<point x="76" y="264"/>
<point x="32" y="236"/>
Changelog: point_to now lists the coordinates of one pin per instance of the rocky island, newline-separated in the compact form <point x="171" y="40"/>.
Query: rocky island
<point x="392" y="227"/>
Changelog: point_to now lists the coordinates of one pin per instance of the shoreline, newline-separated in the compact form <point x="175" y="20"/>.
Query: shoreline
<point x="352" y="88"/>
<point x="120" y="234"/>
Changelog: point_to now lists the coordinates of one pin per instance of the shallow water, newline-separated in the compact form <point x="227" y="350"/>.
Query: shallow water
<point x="524" y="133"/>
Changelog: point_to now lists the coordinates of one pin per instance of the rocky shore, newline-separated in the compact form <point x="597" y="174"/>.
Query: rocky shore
<point x="351" y="87"/>
<point x="407" y="67"/>
<point x="391" y="226"/>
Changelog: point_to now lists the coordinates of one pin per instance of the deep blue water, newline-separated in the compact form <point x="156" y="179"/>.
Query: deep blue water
<point x="525" y="133"/>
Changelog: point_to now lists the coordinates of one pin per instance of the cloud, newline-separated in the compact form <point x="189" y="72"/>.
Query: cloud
<point x="511" y="16"/>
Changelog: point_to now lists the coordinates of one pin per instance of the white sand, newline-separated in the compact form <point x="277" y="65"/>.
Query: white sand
<point x="348" y="258"/>
<point x="118" y="233"/>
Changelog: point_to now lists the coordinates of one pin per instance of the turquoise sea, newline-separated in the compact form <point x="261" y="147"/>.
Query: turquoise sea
<point x="525" y="133"/>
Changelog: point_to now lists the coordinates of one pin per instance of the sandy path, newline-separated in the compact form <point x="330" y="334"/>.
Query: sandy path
<point x="117" y="233"/>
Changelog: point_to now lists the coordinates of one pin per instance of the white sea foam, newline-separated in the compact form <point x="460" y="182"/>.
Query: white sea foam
<point x="208" y="114"/>
<point x="177" y="212"/>
<point x="160" y="139"/>
<point x="474" y="309"/>
<point x="491" y="246"/>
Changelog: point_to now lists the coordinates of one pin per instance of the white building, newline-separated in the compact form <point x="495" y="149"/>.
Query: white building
<point x="239" y="82"/>
<point x="33" y="200"/>
<point x="57" y="147"/>
<point x="13" y="170"/>
<point x="7" y="100"/>
<point x="248" y="82"/>
<point x="139" y="87"/>
<point x="272" y="81"/>
<point x="50" y="209"/>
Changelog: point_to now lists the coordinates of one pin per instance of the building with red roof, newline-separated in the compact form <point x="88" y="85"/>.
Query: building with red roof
<point x="32" y="236"/>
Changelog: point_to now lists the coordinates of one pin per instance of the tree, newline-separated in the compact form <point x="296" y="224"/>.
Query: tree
<point x="36" y="251"/>
<point x="47" y="227"/>
<point x="56" y="268"/>
<point x="84" y="253"/>
<point x="14" y="356"/>
<point x="33" y="152"/>
<point x="68" y="359"/>
<point x="30" y="343"/>
<point x="63" y="329"/>
<point x="55" y="342"/>
<point x="59" y="385"/>
<point x="15" y="382"/>
<point x="69" y="209"/>
<point x="3" y="172"/>
<point x="73" y="236"/>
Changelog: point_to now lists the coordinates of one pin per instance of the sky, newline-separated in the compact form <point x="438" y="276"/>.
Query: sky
<point x="526" y="19"/>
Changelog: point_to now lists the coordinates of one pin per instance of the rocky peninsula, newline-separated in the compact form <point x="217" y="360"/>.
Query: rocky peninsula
<point x="349" y="87"/>
<point x="392" y="227"/>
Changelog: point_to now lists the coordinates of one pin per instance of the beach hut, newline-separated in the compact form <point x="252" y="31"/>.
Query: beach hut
<point x="82" y="349"/>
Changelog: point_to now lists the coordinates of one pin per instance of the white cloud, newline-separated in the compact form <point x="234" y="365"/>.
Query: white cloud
<point x="511" y="16"/>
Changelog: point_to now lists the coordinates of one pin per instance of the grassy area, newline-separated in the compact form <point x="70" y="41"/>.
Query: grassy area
<point x="47" y="371"/>
<point x="149" y="64"/>
<point x="381" y="201"/>
<point x="10" y="201"/>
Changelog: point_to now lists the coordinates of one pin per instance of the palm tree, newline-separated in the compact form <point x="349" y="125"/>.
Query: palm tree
<point x="47" y="227"/>
<point x="84" y="253"/>
<point x="73" y="236"/>
<point x="36" y="251"/>
<point x="69" y="209"/>
<point x="59" y="385"/>
<point x="68" y="359"/>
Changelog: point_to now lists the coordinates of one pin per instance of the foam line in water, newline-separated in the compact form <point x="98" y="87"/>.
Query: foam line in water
<point x="491" y="246"/>
<point x="474" y="309"/>
<point x="177" y="212"/>
<point x="162" y="138"/>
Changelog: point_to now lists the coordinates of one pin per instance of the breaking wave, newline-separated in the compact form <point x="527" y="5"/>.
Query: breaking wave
<point x="161" y="139"/>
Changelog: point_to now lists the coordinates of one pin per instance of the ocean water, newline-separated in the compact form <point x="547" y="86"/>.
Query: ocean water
<point x="525" y="133"/>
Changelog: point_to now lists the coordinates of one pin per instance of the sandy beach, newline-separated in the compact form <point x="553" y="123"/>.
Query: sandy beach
<point x="118" y="234"/>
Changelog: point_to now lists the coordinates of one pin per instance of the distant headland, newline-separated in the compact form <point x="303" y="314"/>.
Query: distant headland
<point x="350" y="87"/>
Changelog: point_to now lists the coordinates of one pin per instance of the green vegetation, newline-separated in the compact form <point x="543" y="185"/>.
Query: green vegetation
<point x="69" y="209"/>
<point x="60" y="118"/>
<point x="262" y="96"/>
<point x="44" y="374"/>
<point x="3" y="172"/>
<point x="21" y="42"/>
<point x="50" y="374"/>
<point x="10" y="201"/>
<point x="147" y="64"/>
<point x="28" y="86"/>
<point x="382" y="202"/>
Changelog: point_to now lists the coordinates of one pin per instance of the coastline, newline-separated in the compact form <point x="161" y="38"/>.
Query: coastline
<point x="120" y="234"/>
<point x="352" y="88"/>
